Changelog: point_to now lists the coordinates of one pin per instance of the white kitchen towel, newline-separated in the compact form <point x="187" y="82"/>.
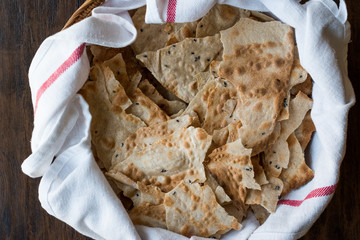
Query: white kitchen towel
<point x="72" y="187"/>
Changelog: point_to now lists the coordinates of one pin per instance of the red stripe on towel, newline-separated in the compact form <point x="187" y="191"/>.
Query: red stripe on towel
<point x="171" y="11"/>
<point x="75" y="56"/>
<point x="319" y="192"/>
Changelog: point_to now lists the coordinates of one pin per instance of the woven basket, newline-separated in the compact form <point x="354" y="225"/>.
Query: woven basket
<point x="84" y="11"/>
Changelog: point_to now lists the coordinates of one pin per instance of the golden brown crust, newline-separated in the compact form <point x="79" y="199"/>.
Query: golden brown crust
<point x="298" y="173"/>
<point x="202" y="216"/>
<point x="145" y="109"/>
<point x="305" y="87"/>
<point x="149" y="215"/>
<point x="304" y="132"/>
<point x="231" y="166"/>
<point x="174" y="66"/>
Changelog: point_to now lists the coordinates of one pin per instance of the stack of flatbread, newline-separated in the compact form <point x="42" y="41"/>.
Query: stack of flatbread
<point x="195" y="124"/>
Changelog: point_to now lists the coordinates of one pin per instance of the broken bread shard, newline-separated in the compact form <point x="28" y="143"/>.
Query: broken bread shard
<point x="176" y="65"/>
<point x="192" y="210"/>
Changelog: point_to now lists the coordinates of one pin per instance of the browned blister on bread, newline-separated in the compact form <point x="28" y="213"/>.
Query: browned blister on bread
<point x="235" y="131"/>
<point x="220" y="105"/>
<point x="176" y="65"/>
<point x="149" y="215"/>
<point x="231" y="166"/>
<point x="199" y="103"/>
<point x="192" y="210"/>
<point x="147" y="194"/>
<point x="186" y="30"/>
<point x="166" y="162"/>
<point x="145" y="136"/>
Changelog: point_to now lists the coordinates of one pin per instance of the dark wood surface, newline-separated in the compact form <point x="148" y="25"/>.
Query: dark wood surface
<point x="24" y="25"/>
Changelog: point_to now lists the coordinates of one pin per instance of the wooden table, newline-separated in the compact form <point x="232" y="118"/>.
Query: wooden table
<point x="24" y="25"/>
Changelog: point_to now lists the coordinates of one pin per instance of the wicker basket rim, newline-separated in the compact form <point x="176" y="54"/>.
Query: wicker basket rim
<point x="83" y="12"/>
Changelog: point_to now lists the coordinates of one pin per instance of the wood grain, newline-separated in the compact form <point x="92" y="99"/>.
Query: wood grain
<point x="24" y="25"/>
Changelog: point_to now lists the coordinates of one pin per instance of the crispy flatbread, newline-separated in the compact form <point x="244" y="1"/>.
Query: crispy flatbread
<point x="259" y="16"/>
<point x="168" y="161"/>
<point x="298" y="173"/>
<point x="208" y="128"/>
<point x="231" y="166"/>
<point x="133" y="84"/>
<point x="234" y="131"/>
<point x="277" y="156"/>
<point x="160" y="88"/>
<point x="110" y="124"/>
<point x="257" y="54"/>
<point x="305" y="87"/>
<point x="176" y="65"/>
<point x="127" y="203"/>
<point x="149" y="215"/>
<point x="299" y="106"/>
<point x="268" y="196"/>
<point x="304" y="132"/>
<point x="102" y="54"/>
<point x="220" y="17"/>
<point x="297" y="76"/>
<point x="170" y="107"/>
<point x="202" y="78"/>
<point x="232" y="210"/>
<point x="260" y="213"/>
<point x="257" y="59"/>
<point x="220" y="105"/>
<point x="202" y="216"/>
<point x="146" y="136"/>
<point x="187" y="30"/>
<point x="147" y="194"/>
<point x="221" y="197"/>
<point x="150" y="37"/>
<point x="260" y="176"/>
<point x="199" y="103"/>
<point x="214" y="68"/>
<point x="118" y="67"/>
<point x="178" y="114"/>
<point x="115" y="90"/>
<point x="145" y="109"/>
